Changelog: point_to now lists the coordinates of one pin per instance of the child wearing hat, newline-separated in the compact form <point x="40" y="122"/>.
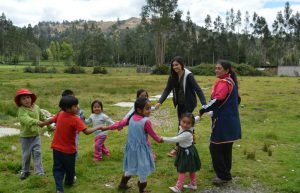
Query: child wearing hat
<point x="29" y="115"/>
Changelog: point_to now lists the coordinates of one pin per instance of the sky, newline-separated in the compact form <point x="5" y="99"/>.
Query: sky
<point x="24" y="12"/>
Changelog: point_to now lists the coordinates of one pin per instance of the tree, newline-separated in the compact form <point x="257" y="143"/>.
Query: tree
<point x="159" y="14"/>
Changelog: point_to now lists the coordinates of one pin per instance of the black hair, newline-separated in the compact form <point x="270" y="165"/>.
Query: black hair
<point x="66" y="102"/>
<point x="227" y="66"/>
<point x="67" y="92"/>
<point x="140" y="91"/>
<point x="139" y="103"/>
<point x="190" y="116"/>
<point x="94" y="102"/>
<point x="174" y="75"/>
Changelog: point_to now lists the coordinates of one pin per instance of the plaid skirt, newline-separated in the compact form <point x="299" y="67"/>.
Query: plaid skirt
<point x="187" y="159"/>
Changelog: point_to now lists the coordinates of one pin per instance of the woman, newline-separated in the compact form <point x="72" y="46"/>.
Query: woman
<point x="184" y="86"/>
<point x="226" y="127"/>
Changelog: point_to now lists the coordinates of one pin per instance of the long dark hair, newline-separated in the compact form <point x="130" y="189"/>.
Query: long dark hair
<point x="98" y="102"/>
<point x="139" y="103"/>
<point x="227" y="66"/>
<point x="174" y="75"/>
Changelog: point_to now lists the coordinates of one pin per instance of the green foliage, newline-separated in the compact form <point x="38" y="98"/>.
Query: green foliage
<point x="75" y="70"/>
<point x="240" y="69"/>
<point x="161" y="69"/>
<point x="36" y="69"/>
<point x="99" y="70"/>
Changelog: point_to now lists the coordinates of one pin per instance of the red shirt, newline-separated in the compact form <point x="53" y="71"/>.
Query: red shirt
<point x="65" y="134"/>
<point x="221" y="88"/>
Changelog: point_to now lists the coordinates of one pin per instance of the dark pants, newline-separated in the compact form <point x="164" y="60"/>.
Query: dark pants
<point x="63" y="164"/>
<point x="221" y="155"/>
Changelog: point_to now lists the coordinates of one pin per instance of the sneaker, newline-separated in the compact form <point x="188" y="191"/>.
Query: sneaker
<point x="172" y="153"/>
<point x="24" y="175"/>
<point x="175" y="189"/>
<point x="218" y="181"/>
<point x="74" y="179"/>
<point x="59" y="191"/>
<point x="190" y="186"/>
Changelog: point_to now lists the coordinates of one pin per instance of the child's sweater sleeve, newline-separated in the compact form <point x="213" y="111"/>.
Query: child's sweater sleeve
<point x="108" y="120"/>
<point x="182" y="137"/>
<point x="25" y="119"/>
<point x="118" y="124"/>
<point x="89" y="120"/>
<point x="148" y="129"/>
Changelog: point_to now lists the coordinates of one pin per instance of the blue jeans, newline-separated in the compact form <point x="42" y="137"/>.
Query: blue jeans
<point x="63" y="164"/>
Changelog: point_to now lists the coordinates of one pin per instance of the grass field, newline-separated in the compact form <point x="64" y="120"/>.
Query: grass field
<point x="265" y="160"/>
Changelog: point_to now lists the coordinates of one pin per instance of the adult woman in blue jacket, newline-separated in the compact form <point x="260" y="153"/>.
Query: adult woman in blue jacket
<point x="184" y="87"/>
<point x="226" y="127"/>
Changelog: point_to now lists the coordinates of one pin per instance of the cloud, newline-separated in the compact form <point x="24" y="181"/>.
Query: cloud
<point x="23" y="12"/>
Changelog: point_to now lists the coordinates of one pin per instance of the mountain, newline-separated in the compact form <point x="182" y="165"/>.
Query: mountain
<point x="57" y="27"/>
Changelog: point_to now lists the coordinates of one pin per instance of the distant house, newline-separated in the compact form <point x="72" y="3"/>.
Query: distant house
<point x="288" y="71"/>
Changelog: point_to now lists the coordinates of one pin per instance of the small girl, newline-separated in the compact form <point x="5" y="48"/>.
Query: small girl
<point x="187" y="158"/>
<point x="142" y="93"/>
<point x="138" y="159"/>
<point x="29" y="116"/>
<point x="99" y="118"/>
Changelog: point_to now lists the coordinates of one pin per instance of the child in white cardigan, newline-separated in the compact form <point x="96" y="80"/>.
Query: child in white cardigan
<point x="187" y="158"/>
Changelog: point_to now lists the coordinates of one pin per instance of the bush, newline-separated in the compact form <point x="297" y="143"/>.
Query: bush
<point x="162" y="69"/>
<point x="52" y="70"/>
<point x="240" y="69"/>
<point x="99" y="70"/>
<point x="75" y="70"/>
<point x="36" y="69"/>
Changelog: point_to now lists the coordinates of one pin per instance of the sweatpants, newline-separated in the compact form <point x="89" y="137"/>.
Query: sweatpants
<point x="31" y="146"/>
<point x="221" y="155"/>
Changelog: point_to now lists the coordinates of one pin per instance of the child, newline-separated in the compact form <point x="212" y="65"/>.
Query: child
<point x="29" y="115"/>
<point x="142" y="93"/>
<point x="187" y="158"/>
<point x="138" y="159"/>
<point x="99" y="118"/>
<point x="64" y="141"/>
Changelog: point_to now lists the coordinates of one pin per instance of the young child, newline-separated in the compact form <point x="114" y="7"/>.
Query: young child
<point x="142" y="93"/>
<point x="64" y="140"/>
<point x="187" y="158"/>
<point x="68" y="92"/>
<point x="29" y="115"/>
<point x="99" y="118"/>
<point x="138" y="159"/>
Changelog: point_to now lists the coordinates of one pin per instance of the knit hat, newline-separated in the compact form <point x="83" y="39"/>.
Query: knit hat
<point x="24" y="91"/>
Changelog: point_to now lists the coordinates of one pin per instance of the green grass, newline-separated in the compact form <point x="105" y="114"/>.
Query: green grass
<point x="269" y="113"/>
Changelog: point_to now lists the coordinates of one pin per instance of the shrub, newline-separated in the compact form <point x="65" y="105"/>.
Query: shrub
<point x="240" y="69"/>
<point x="36" y="69"/>
<point x="52" y="70"/>
<point x="161" y="69"/>
<point x="99" y="70"/>
<point x="75" y="70"/>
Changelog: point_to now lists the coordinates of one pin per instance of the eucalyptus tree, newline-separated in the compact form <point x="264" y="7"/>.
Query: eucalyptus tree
<point x="159" y="15"/>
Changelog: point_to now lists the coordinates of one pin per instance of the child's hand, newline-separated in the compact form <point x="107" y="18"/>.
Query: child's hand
<point x="41" y="124"/>
<point x="161" y="140"/>
<point x="103" y="128"/>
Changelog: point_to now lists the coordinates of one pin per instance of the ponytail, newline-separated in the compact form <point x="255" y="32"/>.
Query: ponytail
<point x="227" y="66"/>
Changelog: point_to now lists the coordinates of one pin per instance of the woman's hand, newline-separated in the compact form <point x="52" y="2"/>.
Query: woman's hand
<point x="157" y="105"/>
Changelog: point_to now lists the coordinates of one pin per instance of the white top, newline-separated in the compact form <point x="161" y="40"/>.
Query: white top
<point x="185" y="139"/>
<point x="99" y="119"/>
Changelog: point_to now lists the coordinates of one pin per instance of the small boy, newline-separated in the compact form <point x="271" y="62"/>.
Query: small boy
<point x="29" y="116"/>
<point x="64" y="141"/>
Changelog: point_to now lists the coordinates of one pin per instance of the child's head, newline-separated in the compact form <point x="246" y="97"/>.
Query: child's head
<point x="69" y="104"/>
<point x="97" y="107"/>
<point x="67" y="92"/>
<point x="24" y="97"/>
<point x="187" y="120"/>
<point x="142" y="93"/>
<point x="142" y="107"/>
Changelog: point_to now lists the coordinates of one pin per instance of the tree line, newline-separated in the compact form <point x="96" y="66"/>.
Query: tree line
<point x="162" y="34"/>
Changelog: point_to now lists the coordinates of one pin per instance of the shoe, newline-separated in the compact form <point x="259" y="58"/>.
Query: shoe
<point x="24" y="175"/>
<point x="74" y="179"/>
<point x="59" y="192"/>
<point x="218" y="181"/>
<point x="175" y="189"/>
<point x="172" y="153"/>
<point x="190" y="186"/>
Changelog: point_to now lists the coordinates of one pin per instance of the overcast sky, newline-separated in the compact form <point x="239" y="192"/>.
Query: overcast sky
<point x="24" y="12"/>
